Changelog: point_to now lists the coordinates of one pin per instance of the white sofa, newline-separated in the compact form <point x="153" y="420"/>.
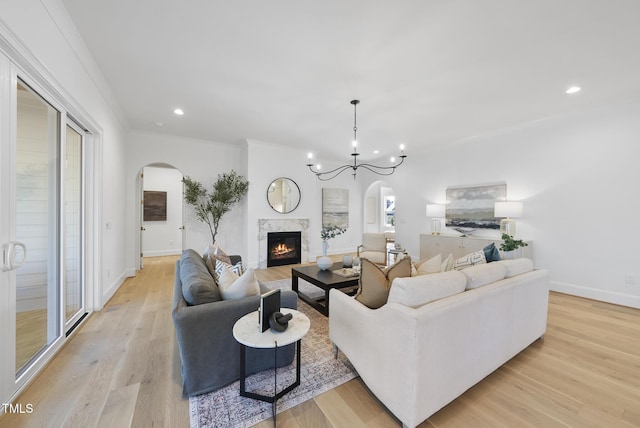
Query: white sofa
<point x="417" y="360"/>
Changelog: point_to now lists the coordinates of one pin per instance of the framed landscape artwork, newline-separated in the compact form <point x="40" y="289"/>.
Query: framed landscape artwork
<point x="472" y="207"/>
<point x="155" y="206"/>
<point x="335" y="207"/>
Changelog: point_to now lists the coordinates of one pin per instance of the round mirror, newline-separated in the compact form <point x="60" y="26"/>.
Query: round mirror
<point x="283" y="195"/>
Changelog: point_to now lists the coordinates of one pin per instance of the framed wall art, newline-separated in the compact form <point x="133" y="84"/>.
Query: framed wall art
<point x="471" y="207"/>
<point x="155" y="206"/>
<point x="335" y="207"/>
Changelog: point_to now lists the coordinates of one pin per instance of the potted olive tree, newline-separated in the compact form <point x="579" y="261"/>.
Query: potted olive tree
<point x="210" y="206"/>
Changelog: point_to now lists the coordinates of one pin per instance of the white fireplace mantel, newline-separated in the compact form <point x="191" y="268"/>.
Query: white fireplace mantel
<point x="266" y="225"/>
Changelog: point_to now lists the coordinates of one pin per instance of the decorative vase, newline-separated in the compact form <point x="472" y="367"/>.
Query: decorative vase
<point x="324" y="262"/>
<point x="347" y="261"/>
<point x="513" y="254"/>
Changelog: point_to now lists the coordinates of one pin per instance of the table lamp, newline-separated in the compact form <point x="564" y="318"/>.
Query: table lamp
<point x="509" y="210"/>
<point x="436" y="212"/>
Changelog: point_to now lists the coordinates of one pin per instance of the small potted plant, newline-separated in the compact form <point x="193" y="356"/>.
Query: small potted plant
<point x="329" y="231"/>
<point x="510" y="245"/>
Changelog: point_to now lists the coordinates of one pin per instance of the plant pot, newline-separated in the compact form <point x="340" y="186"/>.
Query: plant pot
<point x="324" y="262"/>
<point x="513" y="254"/>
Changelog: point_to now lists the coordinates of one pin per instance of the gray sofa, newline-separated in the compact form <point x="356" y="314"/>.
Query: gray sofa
<point x="209" y="354"/>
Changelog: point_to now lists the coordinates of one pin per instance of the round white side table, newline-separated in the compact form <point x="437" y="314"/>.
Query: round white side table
<point x="247" y="332"/>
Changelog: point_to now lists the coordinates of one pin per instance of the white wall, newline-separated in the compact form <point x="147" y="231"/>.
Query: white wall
<point x="578" y="178"/>
<point x="268" y="161"/>
<point x="163" y="238"/>
<point x="198" y="159"/>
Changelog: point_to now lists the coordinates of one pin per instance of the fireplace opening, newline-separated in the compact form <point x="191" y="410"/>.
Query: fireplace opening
<point x="284" y="248"/>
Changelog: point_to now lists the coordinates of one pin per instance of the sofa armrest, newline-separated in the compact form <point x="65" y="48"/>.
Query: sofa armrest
<point x="381" y="344"/>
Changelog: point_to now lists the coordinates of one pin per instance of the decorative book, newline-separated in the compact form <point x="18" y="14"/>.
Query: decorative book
<point x="269" y="303"/>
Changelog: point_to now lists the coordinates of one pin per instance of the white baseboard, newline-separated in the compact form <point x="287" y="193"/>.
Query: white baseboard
<point x="113" y="287"/>
<point x="174" y="252"/>
<point x="596" y="294"/>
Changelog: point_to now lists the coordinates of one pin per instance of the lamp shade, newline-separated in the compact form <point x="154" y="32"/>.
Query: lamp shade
<point x="511" y="209"/>
<point x="435" y="210"/>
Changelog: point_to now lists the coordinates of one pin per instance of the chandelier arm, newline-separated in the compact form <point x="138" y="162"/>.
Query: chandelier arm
<point x="378" y="169"/>
<point x="329" y="175"/>
<point x="392" y="167"/>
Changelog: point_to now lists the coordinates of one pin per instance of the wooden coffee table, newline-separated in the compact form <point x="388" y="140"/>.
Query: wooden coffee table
<point x="324" y="279"/>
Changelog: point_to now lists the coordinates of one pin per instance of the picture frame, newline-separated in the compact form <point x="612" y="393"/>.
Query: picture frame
<point x="472" y="207"/>
<point x="154" y="205"/>
<point x="335" y="207"/>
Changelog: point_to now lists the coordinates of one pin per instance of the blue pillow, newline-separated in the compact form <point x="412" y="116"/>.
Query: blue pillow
<point x="491" y="253"/>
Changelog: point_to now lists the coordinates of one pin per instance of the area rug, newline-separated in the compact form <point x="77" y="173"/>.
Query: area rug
<point x="319" y="373"/>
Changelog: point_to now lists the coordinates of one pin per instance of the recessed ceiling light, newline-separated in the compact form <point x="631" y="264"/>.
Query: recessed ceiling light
<point x="375" y="152"/>
<point x="178" y="112"/>
<point x="573" y="89"/>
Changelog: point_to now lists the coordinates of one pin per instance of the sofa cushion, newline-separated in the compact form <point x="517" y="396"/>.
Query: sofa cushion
<point x="491" y="253"/>
<point x="477" y="257"/>
<point x="375" y="281"/>
<point x="483" y="274"/>
<point x="198" y="286"/>
<point x="417" y="291"/>
<point x="517" y="266"/>
<point x="432" y="265"/>
<point x="232" y="286"/>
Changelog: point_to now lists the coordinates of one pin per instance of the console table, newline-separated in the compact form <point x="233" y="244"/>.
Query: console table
<point x="431" y="245"/>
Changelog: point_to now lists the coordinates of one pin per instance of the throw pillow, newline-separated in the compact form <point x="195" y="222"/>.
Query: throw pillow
<point x="447" y="264"/>
<point x="216" y="260"/>
<point x="417" y="291"/>
<point x="198" y="286"/>
<point x="220" y="266"/>
<point x="483" y="274"/>
<point x="375" y="281"/>
<point x="233" y="286"/>
<point x="469" y="260"/>
<point x="491" y="253"/>
<point x="432" y="265"/>
<point x="219" y="254"/>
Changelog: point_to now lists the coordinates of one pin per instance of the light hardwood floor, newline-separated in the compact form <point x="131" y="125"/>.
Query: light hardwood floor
<point x="122" y="369"/>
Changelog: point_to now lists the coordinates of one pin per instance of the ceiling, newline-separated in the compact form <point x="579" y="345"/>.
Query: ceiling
<point x="426" y="71"/>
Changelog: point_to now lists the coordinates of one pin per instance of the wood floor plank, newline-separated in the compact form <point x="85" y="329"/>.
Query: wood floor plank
<point x="118" y="410"/>
<point x="122" y="368"/>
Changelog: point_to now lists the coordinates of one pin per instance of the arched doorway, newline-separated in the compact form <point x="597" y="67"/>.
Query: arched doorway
<point x="379" y="208"/>
<point x="161" y="212"/>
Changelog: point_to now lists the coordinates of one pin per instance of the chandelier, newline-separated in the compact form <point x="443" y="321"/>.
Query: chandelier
<point x="380" y="170"/>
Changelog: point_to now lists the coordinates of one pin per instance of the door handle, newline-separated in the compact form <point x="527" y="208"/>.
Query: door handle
<point x="9" y="261"/>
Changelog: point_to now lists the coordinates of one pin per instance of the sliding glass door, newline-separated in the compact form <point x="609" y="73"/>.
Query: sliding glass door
<point x="36" y="224"/>
<point x="73" y="236"/>
<point x="42" y="293"/>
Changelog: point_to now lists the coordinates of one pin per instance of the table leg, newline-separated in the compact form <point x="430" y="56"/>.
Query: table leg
<point x="275" y="381"/>
<point x="294" y="283"/>
<point x="243" y="373"/>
